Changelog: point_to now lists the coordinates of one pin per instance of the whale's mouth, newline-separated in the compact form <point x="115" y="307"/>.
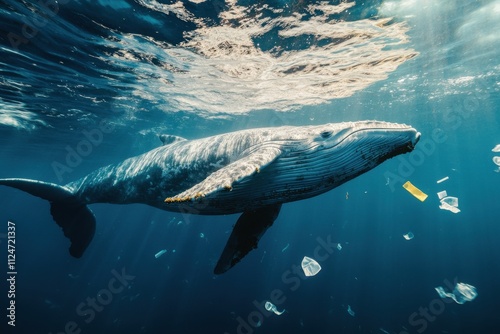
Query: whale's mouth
<point x="379" y="141"/>
<point x="411" y="145"/>
<point x="411" y="135"/>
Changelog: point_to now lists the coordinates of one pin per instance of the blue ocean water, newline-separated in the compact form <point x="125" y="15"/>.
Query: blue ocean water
<point x="199" y="68"/>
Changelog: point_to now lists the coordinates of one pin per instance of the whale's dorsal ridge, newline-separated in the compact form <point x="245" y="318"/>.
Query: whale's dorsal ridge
<point x="169" y="139"/>
<point x="224" y="178"/>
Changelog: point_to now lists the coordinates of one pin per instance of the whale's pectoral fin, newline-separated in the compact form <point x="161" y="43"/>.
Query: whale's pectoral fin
<point x="223" y="179"/>
<point x="245" y="236"/>
<point x="74" y="217"/>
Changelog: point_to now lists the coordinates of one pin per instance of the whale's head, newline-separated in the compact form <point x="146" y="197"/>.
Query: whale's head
<point x="325" y="156"/>
<point x="372" y="141"/>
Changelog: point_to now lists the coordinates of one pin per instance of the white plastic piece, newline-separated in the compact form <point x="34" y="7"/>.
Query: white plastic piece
<point x="310" y="266"/>
<point x="496" y="160"/>
<point x="160" y="253"/>
<point x="408" y="236"/>
<point x="461" y="293"/>
<point x="350" y="311"/>
<point x="496" y="148"/>
<point x="453" y="201"/>
<point x="449" y="203"/>
<point x="339" y="247"/>
<point x="272" y="308"/>
<point x="442" y="194"/>
<point x="443" y="179"/>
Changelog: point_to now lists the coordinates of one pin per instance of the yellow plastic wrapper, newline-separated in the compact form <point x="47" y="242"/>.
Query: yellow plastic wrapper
<point x="415" y="191"/>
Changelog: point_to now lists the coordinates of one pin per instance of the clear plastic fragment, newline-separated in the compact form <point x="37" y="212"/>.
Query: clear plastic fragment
<point x="442" y="194"/>
<point x="408" y="236"/>
<point x="160" y="253"/>
<point x="453" y="201"/>
<point x="450" y="203"/>
<point x="443" y="179"/>
<point x="350" y="311"/>
<point x="310" y="266"/>
<point x="496" y="148"/>
<point x="461" y="293"/>
<point x="339" y="246"/>
<point x="272" y="308"/>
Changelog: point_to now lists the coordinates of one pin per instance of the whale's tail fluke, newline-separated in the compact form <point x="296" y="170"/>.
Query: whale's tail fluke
<point x="73" y="216"/>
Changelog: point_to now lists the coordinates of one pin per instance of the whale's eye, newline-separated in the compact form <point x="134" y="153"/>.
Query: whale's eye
<point x="326" y="134"/>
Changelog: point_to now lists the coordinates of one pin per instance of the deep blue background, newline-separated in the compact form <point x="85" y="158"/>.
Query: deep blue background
<point x="383" y="277"/>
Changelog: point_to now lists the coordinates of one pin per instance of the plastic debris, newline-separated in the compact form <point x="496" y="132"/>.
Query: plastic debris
<point x="285" y="248"/>
<point x="496" y="148"/>
<point x="496" y="160"/>
<point x="339" y="246"/>
<point x="202" y="235"/>
<point x="310" y="266"/>
<point x="449" y="203"/>
<point x="442" y="194"/>
<point x="350" y="311"/>
<point x="408" y="236"/>
<point x="443" y="179"/>
<point x="272" y="308"/>
<point x="262" y="258"/>
<point x="160" y="253"/>
<point x="461" y="293"/>
<point x="419" y="194"/>
<point x="453" y="201"/>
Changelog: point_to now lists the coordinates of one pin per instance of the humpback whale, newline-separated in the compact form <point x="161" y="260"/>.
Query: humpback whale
<point x="251" y="171"/>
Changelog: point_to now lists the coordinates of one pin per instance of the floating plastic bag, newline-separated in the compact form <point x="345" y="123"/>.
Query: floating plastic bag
<point x="461" y="294"/>
<point x="272" y="308"/>
<point x="310" y="266"/>
<point x="450" y="203"/>
<point x="408" y="236"/>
